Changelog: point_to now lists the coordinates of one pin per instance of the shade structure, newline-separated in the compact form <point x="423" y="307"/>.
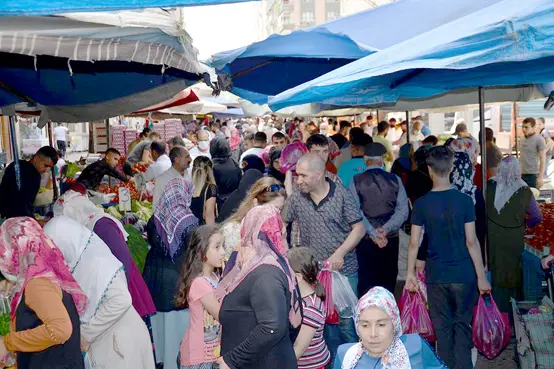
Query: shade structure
<point x="508" y="43"/>
<point x="75" y="71"/>
<point x="269" y="67"/>
<point x="183" y="97"/>
<point x="49" y="7"/>
<point x="197" y="107"/>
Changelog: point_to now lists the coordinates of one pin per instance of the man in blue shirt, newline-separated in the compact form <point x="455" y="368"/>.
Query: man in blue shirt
<point x="357" y="164"/>
<point x="385" y="207"/>
<point x="454" y="266"/>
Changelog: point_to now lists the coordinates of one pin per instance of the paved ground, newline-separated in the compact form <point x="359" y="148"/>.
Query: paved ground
<point x="506" y="360"/>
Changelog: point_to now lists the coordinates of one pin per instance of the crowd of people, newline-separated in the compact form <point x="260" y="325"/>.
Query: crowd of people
<point x="245" y="218"/>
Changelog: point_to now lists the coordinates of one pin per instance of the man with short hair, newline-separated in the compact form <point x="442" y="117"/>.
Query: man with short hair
<point x="61" y="134"/>
<point x="141" y="153"/>
<point x="533" y="155"/>
<point x="161" y="161"/>
<point x="357" y="164"/>
<point x="494" y="156"/>
<point x="140" y="138"/>
<point x="18" y="201"/>
<point x="202" y="147"/>
<point x="404" y="136"/>
<point x="258" y="145"/>
<point x="215" y="127"/>
<point x="175" y="141"/>
<point x="384" y="203"/>
<point x="279" y="140"/>
<point x="180" y="162"/>
<point x="319" y="144"/>
<point x="425" y="131"/>
<point x="430" y="141"/>
<point x="345" y="153"/>
<point x="381" y="137"/>
<point x="341" y="138"/>
<point x="331" y="225"/>
<point x="453" y="262"/>
<point x="92" y="176"/>
<point x="541" y="127"/>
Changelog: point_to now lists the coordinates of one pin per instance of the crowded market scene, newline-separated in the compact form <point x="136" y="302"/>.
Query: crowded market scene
<point x="341" y="187"/>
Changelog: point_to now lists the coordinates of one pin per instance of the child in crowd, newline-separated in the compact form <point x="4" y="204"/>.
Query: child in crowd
<point x="199" y="279"/>
<point x="310" y="347"/>
<point x="453" y="261"/>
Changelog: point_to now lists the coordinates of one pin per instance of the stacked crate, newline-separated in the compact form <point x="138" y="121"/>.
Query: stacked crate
<point x="118" y="137"/>
<point x="130" y="135"/>
<point x="172" y="128"/>
<point x="160" y="129"/>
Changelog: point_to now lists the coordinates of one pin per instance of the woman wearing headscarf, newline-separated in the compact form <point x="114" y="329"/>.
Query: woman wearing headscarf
<point x="274" y="167"/>
<point x="112" y="333"/>
<point x="233" y="202"/>
<point x="45" y="299"/>
<point x="252" y="162"/>
<point x="404" y="165"/>
<point x="226" y="172"/>
<point x="259" y="298"/>
<point x="509" y="202"/>
<point x="419" y="182"/>
<point x="168" y="231"/>
<point x="234" y="140"/>
<point x="461" y="178"/>
<point x="382" y="344"/>
<point x="77" y="206"/>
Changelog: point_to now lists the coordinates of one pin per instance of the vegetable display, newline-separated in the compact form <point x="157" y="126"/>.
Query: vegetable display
<point x="137" y="246"/>
<point x="72" y="170"/>
<point x="543" y="233"/>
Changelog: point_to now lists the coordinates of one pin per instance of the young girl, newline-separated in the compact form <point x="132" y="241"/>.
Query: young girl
<point x="310" y="347"/>
<point x="199" y="278"/>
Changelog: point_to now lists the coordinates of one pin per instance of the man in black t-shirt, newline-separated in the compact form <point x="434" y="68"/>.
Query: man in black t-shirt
<point x="18" y="202"/>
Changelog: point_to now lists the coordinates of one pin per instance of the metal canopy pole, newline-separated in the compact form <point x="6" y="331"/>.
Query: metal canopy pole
<point x="408" y="126"/>
<point x="483" y="138"/>
<point x="51" y="141"/>
<point x="15" y="152"/>
<point x="514" y="118"/>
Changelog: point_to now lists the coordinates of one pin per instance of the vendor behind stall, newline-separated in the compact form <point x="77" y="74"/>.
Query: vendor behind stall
<point x="18" y="202"/>
<point x="93" y="174"/>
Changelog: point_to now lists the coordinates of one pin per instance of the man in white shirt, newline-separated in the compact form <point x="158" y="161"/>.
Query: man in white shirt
<point x="203" y="146"/>
<point x="61" y="135"/>
<point x="180" y="162"/>
<point x="161" y="161"/>
<point x="260" y="142"/>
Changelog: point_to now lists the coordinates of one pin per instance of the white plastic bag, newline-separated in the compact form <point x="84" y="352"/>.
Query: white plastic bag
<point x="343" y="296"/>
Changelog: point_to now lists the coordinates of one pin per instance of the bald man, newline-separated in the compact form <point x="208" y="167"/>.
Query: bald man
<point x="180" y="162"/>
<point x="331" y="225"/>
<point x="203" y="146"/>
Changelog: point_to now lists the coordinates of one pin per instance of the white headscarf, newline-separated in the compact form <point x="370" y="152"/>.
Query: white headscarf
<point x="508" y="181"/>
<point x="89" y="259"/>
<point x="79" y="208"/>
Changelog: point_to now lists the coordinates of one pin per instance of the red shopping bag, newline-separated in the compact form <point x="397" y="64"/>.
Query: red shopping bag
<point x="491" y="329"/>
<point x="415" y="317"/>
<point x="325" y="277"/>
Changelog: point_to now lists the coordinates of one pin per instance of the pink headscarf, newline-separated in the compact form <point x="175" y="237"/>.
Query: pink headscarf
<point x="234" y="140"/>
<point x="262" y="230"/>
<point x="26" y="252"/>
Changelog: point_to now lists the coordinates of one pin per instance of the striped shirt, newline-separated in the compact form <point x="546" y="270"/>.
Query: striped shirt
<point x="316" y="355"/>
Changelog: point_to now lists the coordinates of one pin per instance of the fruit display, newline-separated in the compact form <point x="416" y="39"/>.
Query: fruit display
<point x="543" y="233"/>
<point x="135" y="195"/>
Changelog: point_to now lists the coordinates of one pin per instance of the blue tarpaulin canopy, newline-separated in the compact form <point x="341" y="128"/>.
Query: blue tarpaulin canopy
<point x="278" y="63"/>
<point x="509" y="43"/>
<point x="49" y="7"/>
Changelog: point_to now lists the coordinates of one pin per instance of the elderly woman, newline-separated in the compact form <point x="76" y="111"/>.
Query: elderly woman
<point x="382" y="344"/>
<point x="46" y="299"/>
<point x="112" y="333"/>
<point x="77" y="206"/>
<point x="168" y="231"/>
<point x="260" y="298"/>
<point x="510" y="206"/>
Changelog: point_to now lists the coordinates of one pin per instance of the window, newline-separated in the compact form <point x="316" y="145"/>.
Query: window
<point x="308" y="17"/>
<point x="332" y="15"/>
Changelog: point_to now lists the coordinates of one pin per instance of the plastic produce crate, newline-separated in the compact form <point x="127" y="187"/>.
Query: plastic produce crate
<point x="533" y="275"/>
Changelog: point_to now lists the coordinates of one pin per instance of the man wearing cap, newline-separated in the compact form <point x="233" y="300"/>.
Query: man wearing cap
<point x="384" y="203"/>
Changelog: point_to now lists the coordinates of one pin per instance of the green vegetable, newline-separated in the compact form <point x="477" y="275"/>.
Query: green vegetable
<point x="4" y="324"/>
<point x="112" y="210"/>
<point x="137" y="245"/>
<point x="72" y="170"/>
<point x="42" y="190"/>
<point x="143" y="209"/>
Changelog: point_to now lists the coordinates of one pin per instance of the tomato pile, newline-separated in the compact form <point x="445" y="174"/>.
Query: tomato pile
<point x="135" y="195"/>
<point x="544" y="232"/>
<point x="137" y="168"/>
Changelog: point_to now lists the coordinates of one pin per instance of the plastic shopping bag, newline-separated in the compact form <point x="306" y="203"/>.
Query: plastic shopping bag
<point x="326" y="279"/>
<point x="343" y="296"/>
<point x="491" y="329"/>
<point x="415" y="317"/>
<point x="422" y="287"/>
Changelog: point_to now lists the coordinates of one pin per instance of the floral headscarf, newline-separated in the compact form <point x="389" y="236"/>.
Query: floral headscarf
<point x="508" y="179"/>
<point x="396" y="357"/>
<point x="462" y="175"/>
<point x="173" y="216"/>
<point x="262" y="230"/>
<point x="234" y="140"/>
<point x="26" y="252"/>
<point x="468" y="145"/>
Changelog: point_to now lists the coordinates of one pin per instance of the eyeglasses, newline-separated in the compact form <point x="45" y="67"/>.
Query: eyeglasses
<point x="274" y="188"/>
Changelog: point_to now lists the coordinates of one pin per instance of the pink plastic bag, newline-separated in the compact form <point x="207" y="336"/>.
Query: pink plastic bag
<point x="326" y="279"/>
<point x="415" y="317"/>
<point x="491" y="329"/>
<point x="291" y="154"/>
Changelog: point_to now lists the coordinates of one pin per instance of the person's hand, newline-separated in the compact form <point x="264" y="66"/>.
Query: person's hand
<point x="3" y="350"/>
<point x="84" y="345"/>
<point x="546" y="261"/>
<point x="484" y="286"/>
<point x="378" y="240"/>
<point x="336" y="261"/>
<point x="411" y="282"/>
<point x="132" y="180"/>
<point x="540" y="182"/>
<point x="222" y="364"/>
<point x="382" y="232"/>
<point x="420" y="265"/>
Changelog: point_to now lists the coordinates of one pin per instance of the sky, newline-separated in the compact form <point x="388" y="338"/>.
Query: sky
<point x="222" y="27"/>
